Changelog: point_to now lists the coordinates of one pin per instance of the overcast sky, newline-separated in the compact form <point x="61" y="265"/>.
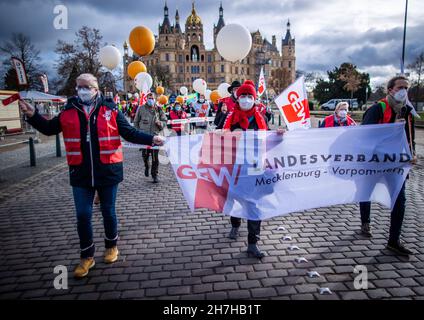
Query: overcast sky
<point x="367" y="33"/>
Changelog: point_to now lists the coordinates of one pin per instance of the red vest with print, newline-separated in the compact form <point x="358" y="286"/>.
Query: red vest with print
<point x="174" y="116"/>
<point x="329" y="121"/>
<point x="107" y="131"/>
<point x="387" y="111"/>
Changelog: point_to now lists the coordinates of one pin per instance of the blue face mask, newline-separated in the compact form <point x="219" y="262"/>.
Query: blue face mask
<point x="177" y="108"/>
<point x="150" y="102"/>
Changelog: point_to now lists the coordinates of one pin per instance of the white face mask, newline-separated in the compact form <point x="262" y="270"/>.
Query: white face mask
<point x="246" y="104"/>
<point x="343" y="114"/>
<point x="401" y="95"/>
<point x="85" y="95"/>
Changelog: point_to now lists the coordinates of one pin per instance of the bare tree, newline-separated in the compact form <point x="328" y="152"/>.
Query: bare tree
<point x="417" y="68"/>
<point x="20" y="46"/>
<point x="79" y="57"/>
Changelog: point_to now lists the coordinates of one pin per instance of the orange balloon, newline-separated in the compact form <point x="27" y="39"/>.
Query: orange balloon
<point x="142" y="40"/>
<point x="215" y="96"/>
<point x="180" y="100"/>
<point x="163" y="99"/>
<point x="160" y="90"/>
<point x="135" y="67"/>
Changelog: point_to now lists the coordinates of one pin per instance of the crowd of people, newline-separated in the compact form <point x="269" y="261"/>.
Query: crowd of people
<point x="93" y="125"/>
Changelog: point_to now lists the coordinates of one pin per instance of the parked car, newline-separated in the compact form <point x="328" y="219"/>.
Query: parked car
<point x="331" y="105"/>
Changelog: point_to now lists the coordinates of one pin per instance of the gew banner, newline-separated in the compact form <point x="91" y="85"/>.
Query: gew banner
<point x="260" y="175"/>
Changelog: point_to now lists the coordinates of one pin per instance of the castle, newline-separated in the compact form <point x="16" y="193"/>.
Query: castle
<point x="180" y="57"/>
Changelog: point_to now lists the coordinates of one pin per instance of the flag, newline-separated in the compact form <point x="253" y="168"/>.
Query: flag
<point x="11" y="99"/>
<point x="45" y="82"/>
<point x="294" y="106"/>
<point x="262" y="84"/>
<point x="20" y="71"/>
<point x="260" y="175"/>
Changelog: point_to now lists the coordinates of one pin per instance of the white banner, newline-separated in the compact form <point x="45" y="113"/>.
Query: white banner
<point x="294" y="106"/>
<point x="260" y="175"/>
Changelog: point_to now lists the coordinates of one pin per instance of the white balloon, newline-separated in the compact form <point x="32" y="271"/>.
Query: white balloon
<point x="223" y="90"/>
<point x="109" y="57"/>
<point x="199" y="85"/>
<point x="143" y="82"/>
<point x="234" y="42"/>
<point x="129" y="95"/>
<point x="184" y="91"/>
<point x="208" y="94"/>
<point x="136" y="95"/>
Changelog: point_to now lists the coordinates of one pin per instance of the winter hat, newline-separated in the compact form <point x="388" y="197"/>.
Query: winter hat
<point x="247" y="88"/>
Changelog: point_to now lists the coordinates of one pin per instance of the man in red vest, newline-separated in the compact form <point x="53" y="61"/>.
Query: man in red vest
<point x="92" y="127"/>
<point x="391" y="109"/>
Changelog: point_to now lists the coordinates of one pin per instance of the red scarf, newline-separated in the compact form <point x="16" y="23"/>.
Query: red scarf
<point x="241" y="117"/>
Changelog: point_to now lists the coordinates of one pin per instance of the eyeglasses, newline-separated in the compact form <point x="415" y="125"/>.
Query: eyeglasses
<point x="83" y="87"/>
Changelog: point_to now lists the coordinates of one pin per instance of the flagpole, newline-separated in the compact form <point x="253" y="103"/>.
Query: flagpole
<point x="404" y="40"/>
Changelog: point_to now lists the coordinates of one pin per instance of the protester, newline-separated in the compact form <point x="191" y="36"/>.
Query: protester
<point x="201" y="109"/>
<point x="391" y="109"/>
<point x="229" y="104"/>
<point x="92" y="126"/>
<point x="340" y="118"/>
<point x="150" y="118"/>
<point x="177" y="113"/>
<point x="246" y="116"/>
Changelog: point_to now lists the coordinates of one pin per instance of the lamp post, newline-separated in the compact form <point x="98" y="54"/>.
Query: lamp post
<point x="402" y="69"/>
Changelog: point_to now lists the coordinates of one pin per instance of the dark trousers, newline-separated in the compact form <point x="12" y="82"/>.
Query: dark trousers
<point x="83" y="198"/>
<point x="253" y="228"/>
<point x="155" y="160"/>
<point x="396" y="218"/>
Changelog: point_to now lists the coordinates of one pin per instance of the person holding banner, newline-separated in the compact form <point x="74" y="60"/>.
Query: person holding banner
<point x="177" y="113"/>
<point x="150" y="119"/>
<point x="92" y="127"/>
<point x="201" y="109"/>
<point x="246" y="116"/>
<point x="340" y="118"/>
<point x="391" y="109"/>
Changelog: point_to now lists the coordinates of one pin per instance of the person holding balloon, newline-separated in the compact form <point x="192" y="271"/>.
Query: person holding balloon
<point x="227" y="103"/>
<point x="150" y="119"/>
<point x="92" y="128"/>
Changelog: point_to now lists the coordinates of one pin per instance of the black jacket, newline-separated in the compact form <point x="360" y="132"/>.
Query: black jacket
<point x="374" y="115"/>
<point x="100" y="174"/>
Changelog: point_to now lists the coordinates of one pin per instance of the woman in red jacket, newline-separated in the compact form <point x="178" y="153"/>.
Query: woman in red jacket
<point x="340" y="118"/>
<point x="177" y="113"/>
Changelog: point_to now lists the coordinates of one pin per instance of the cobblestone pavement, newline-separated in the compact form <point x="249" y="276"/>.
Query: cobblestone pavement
<point x="166" y="252"/>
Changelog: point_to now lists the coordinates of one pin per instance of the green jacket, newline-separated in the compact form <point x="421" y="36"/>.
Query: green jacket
<point x="146" y="117"/>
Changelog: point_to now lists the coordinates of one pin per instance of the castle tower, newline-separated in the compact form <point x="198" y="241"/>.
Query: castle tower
<point x="288" y="51"/>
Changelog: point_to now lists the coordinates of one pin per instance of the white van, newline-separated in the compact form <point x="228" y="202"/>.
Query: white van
<point x="331" y="105"/>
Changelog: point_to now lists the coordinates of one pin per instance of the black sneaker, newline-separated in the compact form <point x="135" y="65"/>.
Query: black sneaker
<point x="399" y="249"/>
<point x="366" y="230"/>
<point x="233" y="233"/>
<point x="253" y="251"/>
<point x="155" y="179"/>
<point x="146" y="171"/>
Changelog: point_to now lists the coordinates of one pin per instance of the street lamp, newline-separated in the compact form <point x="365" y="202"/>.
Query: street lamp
<point x="402" y="67"/>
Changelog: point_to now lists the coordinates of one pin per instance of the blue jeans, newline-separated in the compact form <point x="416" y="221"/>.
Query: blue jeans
<point x="83" y="198"/>
<point x="396" y="218"/>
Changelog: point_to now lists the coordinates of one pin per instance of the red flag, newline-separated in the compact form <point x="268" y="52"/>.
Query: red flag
<point x="11" y="99"/>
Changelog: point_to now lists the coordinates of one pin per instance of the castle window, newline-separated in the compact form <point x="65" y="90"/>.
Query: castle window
<point x="181" y="69"/>
<point x="203" y="58"/>
<point x="248" y="71"/>
<point x="222" y="68"/>
<point x="187" y="58"/>
<point x="194" y="53"/>
<point x="188" y="70"/>
<point x="203" y="69"/>
<point x="290" y="64"/>
<point x="248" y="60"/>
<point x="180" y="58"/>
<point x="167" y="57"/>
<point x="236" y="70"/>
<point x="209" y="69"/>
<point x="209" y="58"/>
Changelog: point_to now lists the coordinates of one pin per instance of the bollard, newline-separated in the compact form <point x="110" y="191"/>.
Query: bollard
<point x="31" y="152"/>
<point x="279" y="120"/>
<point x="58" y="148"/>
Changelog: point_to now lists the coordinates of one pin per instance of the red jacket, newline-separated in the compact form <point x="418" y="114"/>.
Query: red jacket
<point x="176" y="116"/>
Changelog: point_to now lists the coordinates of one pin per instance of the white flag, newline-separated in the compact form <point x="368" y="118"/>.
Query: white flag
<point x="262" y="84"/>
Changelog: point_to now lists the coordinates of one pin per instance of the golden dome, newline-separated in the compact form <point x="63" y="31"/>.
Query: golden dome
<point x="193" y="19"/>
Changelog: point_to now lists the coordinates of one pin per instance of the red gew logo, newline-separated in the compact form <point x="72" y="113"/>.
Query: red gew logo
<point x="218" y="175"/>
<point x="297" y="110"/>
